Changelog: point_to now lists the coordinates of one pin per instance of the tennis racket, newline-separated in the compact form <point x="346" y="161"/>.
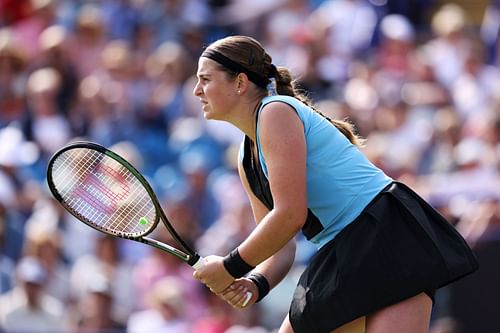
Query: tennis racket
<point x="107" y="193"/>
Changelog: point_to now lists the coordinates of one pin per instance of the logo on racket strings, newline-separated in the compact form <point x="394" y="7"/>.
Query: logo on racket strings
<point x="103" y="189"/>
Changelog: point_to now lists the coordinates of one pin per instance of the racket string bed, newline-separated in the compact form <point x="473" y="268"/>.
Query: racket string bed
<point x="61" y="168"/>
<point x="87" y="198"/>
<point x="142" y="204"/>
<point x="142" y="207"/>
<point x="61" y="165"/>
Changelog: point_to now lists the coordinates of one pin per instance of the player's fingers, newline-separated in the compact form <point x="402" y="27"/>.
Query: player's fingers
<point x="231" y="293"/>
<point x="228" y="296"/>
<point x="197" y="276"/>
<point x="241" y="300"/>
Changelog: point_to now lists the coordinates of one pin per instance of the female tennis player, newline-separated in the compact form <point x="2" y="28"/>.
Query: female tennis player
<point x="382" y="250"/>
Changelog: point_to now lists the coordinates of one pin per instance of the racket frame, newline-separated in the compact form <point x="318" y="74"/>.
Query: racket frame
<point x="189" y="256"/>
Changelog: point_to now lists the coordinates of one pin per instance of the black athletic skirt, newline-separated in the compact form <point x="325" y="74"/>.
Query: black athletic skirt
<point x="397" y="248"/>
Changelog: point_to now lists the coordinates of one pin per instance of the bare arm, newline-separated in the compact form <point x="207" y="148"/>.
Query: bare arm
<point x="283" y="145"/>
<point x="277" y="266"/>
<point x="274" y="269"/>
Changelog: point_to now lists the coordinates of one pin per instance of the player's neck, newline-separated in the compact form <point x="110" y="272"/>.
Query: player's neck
<point x="244" y="116"/>
<point x="246" y="120"/>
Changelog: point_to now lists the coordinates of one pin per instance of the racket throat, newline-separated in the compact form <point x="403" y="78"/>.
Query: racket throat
<point x="170" y="249"/>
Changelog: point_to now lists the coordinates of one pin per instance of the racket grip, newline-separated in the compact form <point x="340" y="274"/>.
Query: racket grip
<point x="198" y="264"/>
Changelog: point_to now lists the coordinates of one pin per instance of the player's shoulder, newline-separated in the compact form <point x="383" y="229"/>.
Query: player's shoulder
<point x="276" y="110"/>
<point x="278" y="116"/>
<point x="279" y="102"/>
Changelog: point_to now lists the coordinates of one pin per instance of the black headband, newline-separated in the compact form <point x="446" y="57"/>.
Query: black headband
<point x="235" y="67"/>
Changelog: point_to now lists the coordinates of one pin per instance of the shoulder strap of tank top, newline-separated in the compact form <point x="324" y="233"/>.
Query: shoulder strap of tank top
<point x="253" y="170"/>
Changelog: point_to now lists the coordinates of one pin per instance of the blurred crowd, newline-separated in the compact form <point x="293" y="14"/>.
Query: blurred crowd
<point x="420" y="80"/>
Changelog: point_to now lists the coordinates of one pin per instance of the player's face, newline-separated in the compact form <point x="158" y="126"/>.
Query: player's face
<point x="215" y="90"/>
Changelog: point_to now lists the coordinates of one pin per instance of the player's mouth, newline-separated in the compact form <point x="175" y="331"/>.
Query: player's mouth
<point x="204" y="105"/>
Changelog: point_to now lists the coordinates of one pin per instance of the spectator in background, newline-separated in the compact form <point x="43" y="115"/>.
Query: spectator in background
<point x="286" y="36"/>
<point x="171" y="20"/>
<point x="221" y="318"/>
<point x="490" y="32"/>
<point x="12" y="77"/>
<point x="44" y="121"/>
<point x="472" y="303"/>
<point x="43" y="242"/>
<point x="42" y="14"/>
<point x="165" y="309"/>
<point x="235" y="221"/>
<point x="345" y="29"/>
<point x="156" y="266"/>
<point x="27" y="307"/>
<point x="160" y="104"/>
<point x="7" y="264"/>
<point x="93" y="112"/>
<point x="474" y="92"/>
<point x="89" y="38"/>
<point x="447" y="50"/>
<point x="121" y="19"/>
<point x="167" y="69"/>
<point x="394" y="58"/>
<point x="118" y="83"/>
<point x="17" y="194"/>
<point x="93" y="312"/>
<point x="55" y="43"/>
<point x="105" y="262"/>
<point x="196" y="163"/>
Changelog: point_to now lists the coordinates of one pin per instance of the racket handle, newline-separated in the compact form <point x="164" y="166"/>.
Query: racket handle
<point x="198" y="264"/>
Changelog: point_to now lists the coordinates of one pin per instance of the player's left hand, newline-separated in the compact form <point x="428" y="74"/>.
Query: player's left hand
<point x="213" y="274"/>
<point x="241" y="293"/>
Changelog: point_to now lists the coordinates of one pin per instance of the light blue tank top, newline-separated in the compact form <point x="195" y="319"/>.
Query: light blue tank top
<point x="341" y="181"/>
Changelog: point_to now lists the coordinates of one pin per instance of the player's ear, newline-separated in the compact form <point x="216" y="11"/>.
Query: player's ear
<point x="242" y="82"/>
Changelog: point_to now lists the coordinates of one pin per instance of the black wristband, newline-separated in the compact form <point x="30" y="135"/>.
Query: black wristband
<point x="261" y="283"/>
<point x="235" y="265"/>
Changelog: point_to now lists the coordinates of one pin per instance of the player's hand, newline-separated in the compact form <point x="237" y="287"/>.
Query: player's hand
<point x="238" y="293"/>
<point x="213" y="274"/>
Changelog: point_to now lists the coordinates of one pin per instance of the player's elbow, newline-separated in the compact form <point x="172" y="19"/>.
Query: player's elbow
<point x="294" y="216"/>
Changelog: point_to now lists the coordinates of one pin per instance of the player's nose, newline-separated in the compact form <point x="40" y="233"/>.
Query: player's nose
<point x="197" y="91"/>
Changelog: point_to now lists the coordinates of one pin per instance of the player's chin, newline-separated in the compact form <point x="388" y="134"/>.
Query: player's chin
<point x="206" y="111"/>
<point x="209" y="115"/>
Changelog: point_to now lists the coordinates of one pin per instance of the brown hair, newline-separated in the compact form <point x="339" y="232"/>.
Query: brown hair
<point x="249" y="54"/>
